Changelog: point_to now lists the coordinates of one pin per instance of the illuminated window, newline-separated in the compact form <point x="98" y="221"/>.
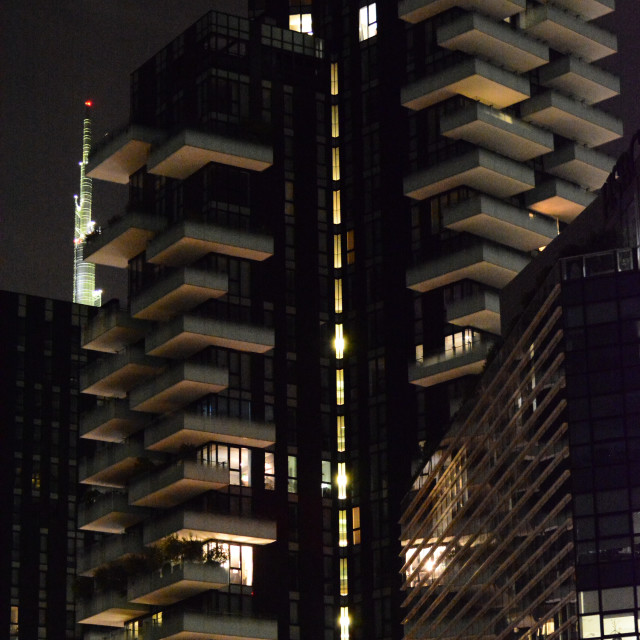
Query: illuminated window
<point x="344" y="577"/>
<point x="156" y="619"/>
<point x="13" y="622"/>
<point x="355" y="515"/>
<point x="344" y="623"/>
<point x="337" y="214"/>
<point x="341" y="433"/>
<point x="419" y="353"/>
<point x="351" y="253"/>
<point x="292" y="474"/>
<point x="339" y="342"/>
<point x="342" y="480"/>
<point x="269" y="471"/>
<point x="237" y="459"/>
<point x="326" y="479"/>
<point x="35" y="480"/>
<point x="133" y="630"/>
<point x="338" y="296"/>
<point x="335" y="162"/>
<point x="301" y="22"/>
<point x="368" y="26"/>
<point x="339" y="386"/>
<point x="334" y="78"/>
<point x="335" y="126"/>
<point x="342" y="528"/>
<point x="239" y="560"/>
<point x="337" y="251"/>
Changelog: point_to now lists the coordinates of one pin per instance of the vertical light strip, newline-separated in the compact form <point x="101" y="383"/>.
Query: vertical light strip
<point x="342" y="528"/>
<point x="337" y="251"/>
<point x="344" y="623"/>
<point x="344" y="577"/>
<point x="342" y="480"/>
<point x="339" y="342"/>
<point x="337" y="214"/>
<point x="335" y="163"/>
<point x="339" y="387"/>
<point x="338" y="295"/>
<point x="340" y="434"/>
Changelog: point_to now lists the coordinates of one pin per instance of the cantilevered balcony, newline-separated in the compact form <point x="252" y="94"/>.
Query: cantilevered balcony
<point x="182" y="429"/>
<point x="560" y="199"/>
<point x="586" y="167"/>
<point x="478" y="168"/>
<point x="588" y="9"/>
<point x="113" y="375"/>
<point x="190" y="150"/>
<point x="109" y="549"/>
<point x="468" y="357"/>
<point x="177" y="291"/>
<point x="492" y="129"/>
<point x="479" y="260"/>
<point x="111" y="421"/>
<point x="198" y="626"/>
<point x="188" y="241"/>
<point x="580" y="79"/>
<point x="568" y="33"/>
<point x="501" y="222"/>
<point x="176" y="583"/>
<point x="123" y="239"/>
<point x="109" y="513"/>
<point x="121" y="154"/>
<point x="111" y="329"/>
<point x="112" y="465"/>
<point x="108" y="609"/>
<point x="480" y="311"/>
<point x="186" y="335"/>
<point x="177" y="387"/>
<point x="571" y="119"/>
<point x="478" y="35"/>
<point x="419" y="10"/>
<point x="473" y="78"/>
<point x="178" y="483"/>
<point x="206" y="526"/>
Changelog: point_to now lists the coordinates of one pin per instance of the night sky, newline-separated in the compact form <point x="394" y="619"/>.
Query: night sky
<point x="58" y="53"/>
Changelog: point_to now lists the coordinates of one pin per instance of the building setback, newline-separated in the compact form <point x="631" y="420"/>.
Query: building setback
<point x="524" y="521"/>
<point x="41" y="357"/>
<point x="317" y="229"/>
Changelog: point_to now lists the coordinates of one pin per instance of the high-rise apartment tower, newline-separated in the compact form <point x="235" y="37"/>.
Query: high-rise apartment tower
<point x="317" y="228"/>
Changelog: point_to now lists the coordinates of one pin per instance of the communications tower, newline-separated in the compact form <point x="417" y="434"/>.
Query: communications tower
<point x="84" y="273"/>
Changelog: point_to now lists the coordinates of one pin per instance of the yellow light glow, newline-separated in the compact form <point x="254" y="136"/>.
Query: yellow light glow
<point x="342" y="481"/>
<point x="344" y="623"/>
<point x="339" y="342"/>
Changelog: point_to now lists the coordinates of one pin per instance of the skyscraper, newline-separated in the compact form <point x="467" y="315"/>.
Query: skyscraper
<point x="84" y="273"/>
<point x="41" y="358"/>
<point x="315" y="221"/>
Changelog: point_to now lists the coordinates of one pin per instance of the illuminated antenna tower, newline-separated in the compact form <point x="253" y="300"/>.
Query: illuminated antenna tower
<point x="84" y="273"/>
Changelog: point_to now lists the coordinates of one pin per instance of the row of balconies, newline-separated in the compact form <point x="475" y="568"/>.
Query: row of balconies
<point x="178" y="157"/>
<point x="178" y="245"/>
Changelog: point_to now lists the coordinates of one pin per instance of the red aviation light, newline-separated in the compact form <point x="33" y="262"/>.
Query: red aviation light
<point x="88" y="103"/>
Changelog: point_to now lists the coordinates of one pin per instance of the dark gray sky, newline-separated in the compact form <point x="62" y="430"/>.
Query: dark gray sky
<point x="55" y="54"/>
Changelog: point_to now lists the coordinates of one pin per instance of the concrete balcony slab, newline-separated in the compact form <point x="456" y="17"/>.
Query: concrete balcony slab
<point x="480" y="311"/>
<point x="188" y="241"/>
<point x="479" y="35"/>
<point x="571" y="119"/>
<point x="191" y="430"/>
<point x="110" y="513"/>
<point x="111" y="329"/>
<point x="178" y="291"/>
<point x="578" y="78"/>
<point x="190" y="150"/>
<point x="587" y="167"/>
<point x="479" y="169"/>
<point x="418" y="10"/>
<point x="498" y="131"/>
<point x="187" y="335"/>
<point x="568" y="33"/>
<point x="177" y="387"/>
<point x="111" y="421"/>
<point x="474" y="78"/>
<point x="122" y="240"/>
<point x="501" y="222"/>
<point x="559" y="199"/>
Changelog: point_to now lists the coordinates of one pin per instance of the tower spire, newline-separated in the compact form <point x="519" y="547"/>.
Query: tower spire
<point x="84" y="275"/>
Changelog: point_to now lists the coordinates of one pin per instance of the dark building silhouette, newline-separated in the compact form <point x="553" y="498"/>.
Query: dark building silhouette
<point x="317" y="230"/>
<point x="40" y="360"/>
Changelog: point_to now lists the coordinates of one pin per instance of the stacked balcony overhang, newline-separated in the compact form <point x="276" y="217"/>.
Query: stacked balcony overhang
<point x="146" y="484"/>
<point x="523" y="150"/>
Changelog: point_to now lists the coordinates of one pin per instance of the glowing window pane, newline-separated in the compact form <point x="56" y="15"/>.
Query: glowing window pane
<point x="337" y="251"/>
<point x="335" y="163"/>
<point x="341" y="432"/>
<point x="338" y="296"/>
<point x="344" y="623"/>
<point x="301" y="22"/>
<point x="339" y="342"/>
<point x="339" y="386"/>
<point x="342" y="481"/>
<point x="342" y="528"/>
<point x="335" y="126"/>
<point x="368" y="26"/>
<point x="334" y="78"/>
<point x="337" y="214"/>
